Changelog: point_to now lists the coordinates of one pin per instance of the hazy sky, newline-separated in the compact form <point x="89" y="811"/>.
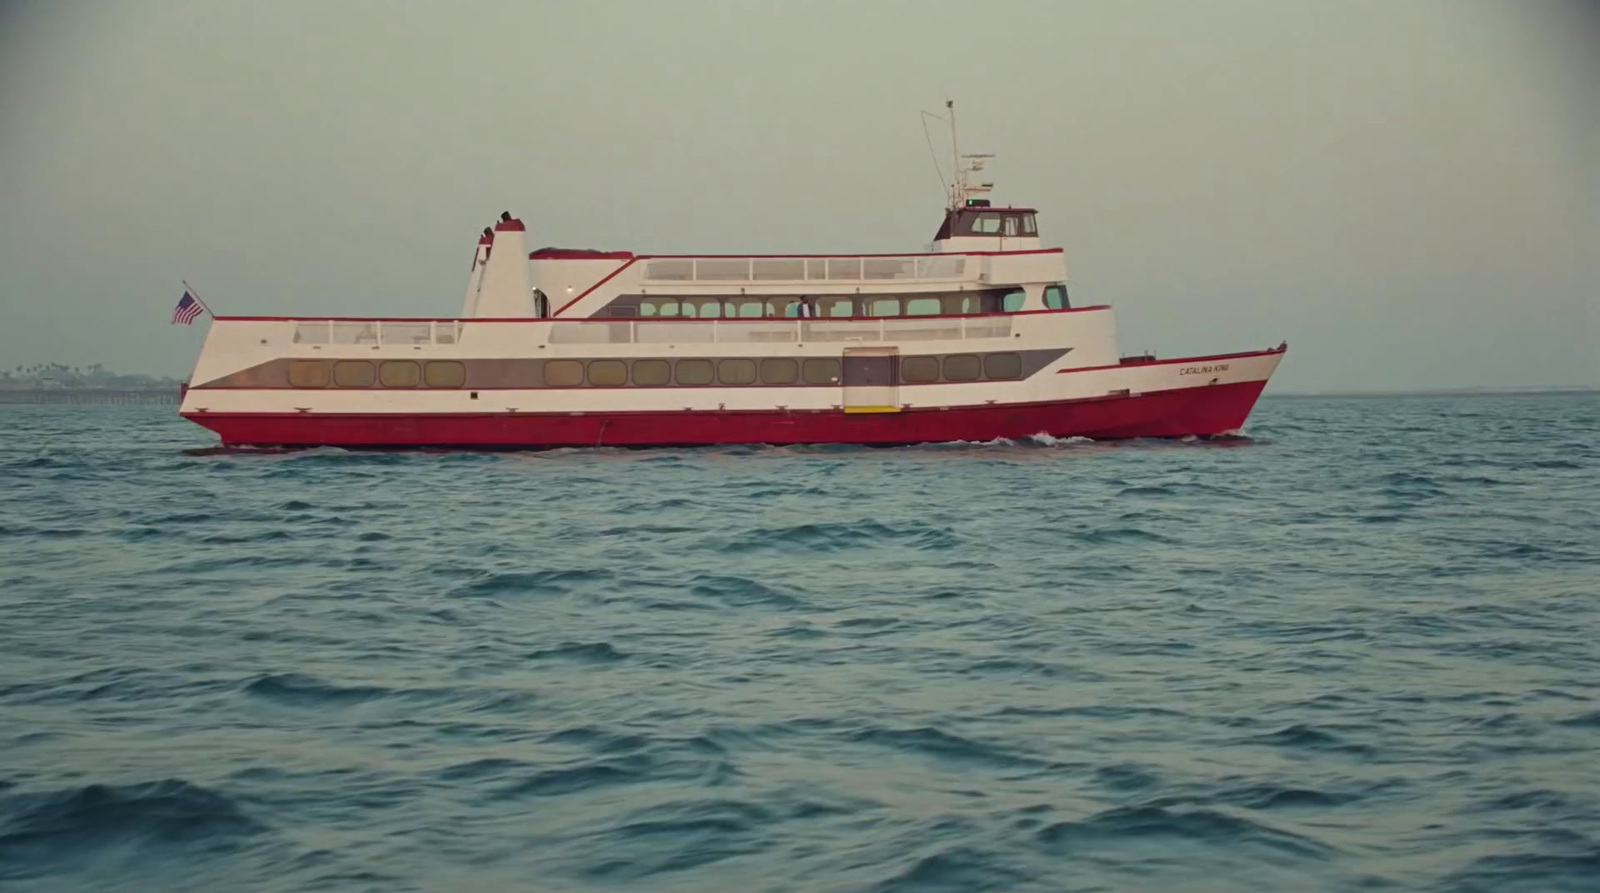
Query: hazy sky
<point x="1409" y="192"/>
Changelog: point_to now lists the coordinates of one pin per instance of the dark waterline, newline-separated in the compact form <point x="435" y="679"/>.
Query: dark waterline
<point x="1358" y="651"/>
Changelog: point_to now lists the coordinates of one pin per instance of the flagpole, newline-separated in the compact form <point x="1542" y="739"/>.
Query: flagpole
<point x="190" y="289"/>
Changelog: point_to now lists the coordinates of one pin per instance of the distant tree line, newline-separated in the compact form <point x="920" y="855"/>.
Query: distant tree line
<point x="60" y="375"/>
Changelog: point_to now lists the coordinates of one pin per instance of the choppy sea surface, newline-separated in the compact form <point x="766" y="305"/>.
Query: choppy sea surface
<point x="1358" y="651"/>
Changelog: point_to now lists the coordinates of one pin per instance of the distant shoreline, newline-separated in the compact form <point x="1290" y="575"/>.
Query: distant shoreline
<point x="88" y="396"/>
<point x="1446" y="392"/>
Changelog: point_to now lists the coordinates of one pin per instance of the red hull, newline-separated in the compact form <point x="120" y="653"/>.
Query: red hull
<point x="1176" y="413"/>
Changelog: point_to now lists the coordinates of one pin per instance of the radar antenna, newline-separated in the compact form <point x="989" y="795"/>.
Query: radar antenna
<point x="966" y="168"/>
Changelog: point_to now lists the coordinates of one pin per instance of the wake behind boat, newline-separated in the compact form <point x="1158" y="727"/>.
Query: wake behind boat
<point x="975" y="340"/>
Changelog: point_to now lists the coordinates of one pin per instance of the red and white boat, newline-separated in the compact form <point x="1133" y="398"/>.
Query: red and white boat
<point x="975" y="340"/>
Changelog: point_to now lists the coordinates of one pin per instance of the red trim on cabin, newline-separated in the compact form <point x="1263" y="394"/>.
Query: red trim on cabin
<point x="578" y="254"/>
<point x="821" y="256"/>
<point x="509" y="226"/>
<point x="586" y="292"/>
<point x="645" y="319"/>
<point x="1174" y="413"/>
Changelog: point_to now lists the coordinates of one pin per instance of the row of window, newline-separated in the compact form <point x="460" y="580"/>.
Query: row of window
<point x="366" y="373"/>
<point x="830" y="306"/>
<point x="652" y="372"/>
<point x="692" y="372"/>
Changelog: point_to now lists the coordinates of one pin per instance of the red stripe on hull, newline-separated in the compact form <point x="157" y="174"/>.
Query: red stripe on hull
<point x="1176" y="413"/>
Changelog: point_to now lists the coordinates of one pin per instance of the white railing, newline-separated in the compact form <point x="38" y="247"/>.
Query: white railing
<point x="377" y="333"/>
<point x="774" y="331"/>
<point x="391" y="333"/>
<point x="805" y="269"/>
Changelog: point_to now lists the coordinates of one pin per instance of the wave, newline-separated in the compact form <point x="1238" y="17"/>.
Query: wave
<point x="839" y="537"/>
<point x="55" y="826"/>
<point x="1306" y="737"/>
<point x="296" y="689"/>
<point x="1203" y="825"/>
<point x="957" y="869"/>
<point x="581" y="652"/>
<point x="488" y="583"/>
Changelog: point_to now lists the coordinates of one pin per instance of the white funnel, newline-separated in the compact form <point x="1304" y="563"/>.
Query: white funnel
<point x="504" y="292"/>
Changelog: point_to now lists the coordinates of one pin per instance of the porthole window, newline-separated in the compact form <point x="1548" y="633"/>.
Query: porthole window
<point x="608" y="373"/>
<point x="354" y="374"/>
<point x="821" y="370"/>
<point x="308" y="374"/>
<point x="962" y="367"/>
<point x="444" y="374"/>
<point x="563" y="373"/>
<point x="736" y="371"/>
<point x="1002" y="365"/>
<point x="693" y="372"/>
<point x="779" y="370"/>
<point x="399" y="374"/>
<point x="652" y="372"/>
<point x="917" y="370"/>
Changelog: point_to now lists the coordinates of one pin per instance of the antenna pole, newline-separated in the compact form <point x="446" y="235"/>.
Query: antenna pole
<point x="955" y="149"/>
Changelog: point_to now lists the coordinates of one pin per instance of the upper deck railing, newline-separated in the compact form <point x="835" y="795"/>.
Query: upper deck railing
<point x="864" y="268"/>
<point x="417" y="333"/>
<point x="377" y="332"/>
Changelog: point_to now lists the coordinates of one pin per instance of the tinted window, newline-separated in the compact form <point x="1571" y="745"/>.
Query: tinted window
<point x="955" y="305"/>
<point x="919" y="369"/>
<point x="354" y="374"/>
<point x="1055" y="297"/>
<point x="835" y="307"/>
<point x="608" y="372"/>
<point x="651" y="372"/>
<point x="308" y="374"/>
<point x="962" y="367"/>
<point x="779" y="370"/>
<point x="563" y="373"/>
<point x="1002" y="365"/>
<point x="986" y="223"/>
<point x="922" y="307"/>
<point x="821" y="370"/>
<point x="736" y="371"/>
<point x="752" y="309"/>
<point x="693" y="371"/>
<point x="885" y="307"/>
<point x="444" y="374"/>
<point x="400" y="374"/>
<point x="1012" y="302"/>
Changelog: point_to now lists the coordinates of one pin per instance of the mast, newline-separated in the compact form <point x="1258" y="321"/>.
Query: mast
<point x="955" y="156"/>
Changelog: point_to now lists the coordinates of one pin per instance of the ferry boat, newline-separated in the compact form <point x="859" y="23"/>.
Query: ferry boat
<point x="974" y="340"/>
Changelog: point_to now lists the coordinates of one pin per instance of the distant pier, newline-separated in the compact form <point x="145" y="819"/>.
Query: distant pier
<point x="88" y="396"/>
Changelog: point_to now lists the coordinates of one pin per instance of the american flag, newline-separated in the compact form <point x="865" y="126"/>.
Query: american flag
<point x="189" y="308"/>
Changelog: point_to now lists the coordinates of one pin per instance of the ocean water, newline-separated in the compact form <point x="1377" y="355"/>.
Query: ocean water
<point x="1359" y="650"/>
